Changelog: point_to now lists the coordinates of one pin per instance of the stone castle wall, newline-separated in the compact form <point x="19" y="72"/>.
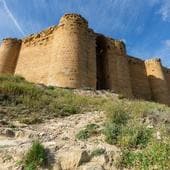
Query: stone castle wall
<point x="34" y="59"/>
<point x="72" y="55"/>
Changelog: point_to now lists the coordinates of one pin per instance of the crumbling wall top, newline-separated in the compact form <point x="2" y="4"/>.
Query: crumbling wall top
<point x="35" y="39"/>
<point x="73" y="18"/>
<point x="8" y="41"/>
<point x="135" y="60"/>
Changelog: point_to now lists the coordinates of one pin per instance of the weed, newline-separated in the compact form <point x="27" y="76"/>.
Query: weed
<point x="35" y="157"/>
<point x="111" y="132"/>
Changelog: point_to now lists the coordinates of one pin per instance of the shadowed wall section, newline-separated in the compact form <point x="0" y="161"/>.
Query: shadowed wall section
<point x="123" y="76"/>
<point x="106" y="64"/>
<point x="112" y="66"/>
<point x="157" y="79"/>
<point x="139" y="79"/>
<point x="9" y="52"/>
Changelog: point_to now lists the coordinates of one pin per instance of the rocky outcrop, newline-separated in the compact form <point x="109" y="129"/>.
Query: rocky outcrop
<point x="65" y="152"/>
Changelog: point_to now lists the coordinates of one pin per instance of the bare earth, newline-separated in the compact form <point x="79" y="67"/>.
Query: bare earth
<point x="58" y="136"/>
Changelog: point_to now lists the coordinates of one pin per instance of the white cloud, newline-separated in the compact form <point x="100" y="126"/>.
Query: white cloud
<point x="12" y="17"/>
<point x="165" y="10"/>
<point x="167" y="43"/>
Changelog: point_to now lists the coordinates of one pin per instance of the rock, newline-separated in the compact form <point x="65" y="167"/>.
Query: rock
<point x="101" y="160"/>
<point x="57" y="166"/>
<point x="91" y="166"/>
<point x="9" y="133"/>
<point x="70" y="160"/>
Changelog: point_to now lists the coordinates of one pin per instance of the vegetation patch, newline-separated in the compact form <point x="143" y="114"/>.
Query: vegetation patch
<point x="154" y="156"/>
<point x="36" y="157"/>
<point x="87" y="132"/>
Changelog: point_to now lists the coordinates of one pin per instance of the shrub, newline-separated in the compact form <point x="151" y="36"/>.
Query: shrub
<point x="88" y="131"/>
<point x="35" y="157"/>
<point x="111" y="132"/>
<point x="134" y="136"/>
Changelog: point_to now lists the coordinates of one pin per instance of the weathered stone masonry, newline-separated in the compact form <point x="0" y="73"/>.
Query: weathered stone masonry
<point x="72" y="55"/>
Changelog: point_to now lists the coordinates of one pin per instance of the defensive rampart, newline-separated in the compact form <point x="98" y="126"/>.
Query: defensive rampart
<point x="72" y="55"/>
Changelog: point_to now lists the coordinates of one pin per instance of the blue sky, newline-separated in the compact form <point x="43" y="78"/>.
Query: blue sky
<point x="144" y="25"/>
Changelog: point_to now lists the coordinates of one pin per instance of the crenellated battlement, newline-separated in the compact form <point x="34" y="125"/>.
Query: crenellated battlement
<point x="72" y="55"/>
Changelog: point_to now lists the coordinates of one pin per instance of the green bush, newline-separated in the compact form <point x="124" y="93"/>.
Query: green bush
<point x="111" y="132"/>
<point x="134" y="136"/>
<point x="35" y="157"/>
<point x="88" y="131"/>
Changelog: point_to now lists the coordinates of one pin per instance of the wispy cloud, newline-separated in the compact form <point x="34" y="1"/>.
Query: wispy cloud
<point x="165" y="10"/>
<point x="12" y="17"/>
<point x="167" y="43"/>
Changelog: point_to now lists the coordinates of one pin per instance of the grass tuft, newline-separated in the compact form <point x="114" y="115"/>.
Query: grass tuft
<point x="35" y="157"/>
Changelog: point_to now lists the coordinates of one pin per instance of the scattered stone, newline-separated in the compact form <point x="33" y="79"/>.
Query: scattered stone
<point x="73" y="158"/>
<point x="91" y="166"/>
<point x="9" y="133"/>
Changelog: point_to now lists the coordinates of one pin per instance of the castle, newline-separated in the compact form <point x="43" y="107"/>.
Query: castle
<point x="72" y="55"/>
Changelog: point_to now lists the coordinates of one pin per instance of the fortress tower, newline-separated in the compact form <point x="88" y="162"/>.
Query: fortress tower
<point x="73" y="54"/>
<point x="9" y="52"/>
<point x="157" y="80"/>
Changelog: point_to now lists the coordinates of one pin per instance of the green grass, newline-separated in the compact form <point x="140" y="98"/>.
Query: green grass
<point x="21" y="98"/>
<point x="35" y="157"/>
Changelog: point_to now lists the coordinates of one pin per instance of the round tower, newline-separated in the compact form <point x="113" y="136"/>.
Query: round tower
<point x="73" y="61"/>
<point x="157" y="80"/>
<point x="9" y="51"/>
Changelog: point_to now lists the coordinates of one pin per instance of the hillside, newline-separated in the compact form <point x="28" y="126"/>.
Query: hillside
<point x="79" y="129"/>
